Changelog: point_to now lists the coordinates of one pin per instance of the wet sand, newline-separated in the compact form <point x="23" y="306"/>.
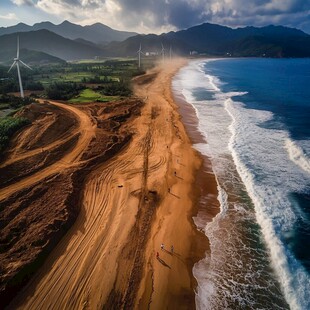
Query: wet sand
<point x="194" y="179"/>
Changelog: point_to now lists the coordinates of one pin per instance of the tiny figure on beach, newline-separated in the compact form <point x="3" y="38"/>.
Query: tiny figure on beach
<point x="168" y="189"/>
<point x="175" y="173"/>
<point x="162" y="246"/>
<point x="172" y="248"/>
<point x="157" y="255"/>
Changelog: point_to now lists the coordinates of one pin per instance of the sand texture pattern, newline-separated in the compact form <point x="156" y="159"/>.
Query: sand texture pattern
<point x="127" y="170"/>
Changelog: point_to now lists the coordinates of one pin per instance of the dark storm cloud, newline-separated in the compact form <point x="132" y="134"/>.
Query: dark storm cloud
<point x="185" y="13"/>
<point x="156" y="15"/>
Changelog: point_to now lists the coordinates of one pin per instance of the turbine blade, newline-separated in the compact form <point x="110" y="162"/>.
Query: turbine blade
<point x="24" y="64"/>
<point x="17" y="56"/>
<point x="13" y="64"/>
<point x="20" y="80"/>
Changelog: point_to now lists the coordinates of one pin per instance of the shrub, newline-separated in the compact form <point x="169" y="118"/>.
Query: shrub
<point x="63" y="91"/>
<point x="117" y="89"/>
<point x="8" y="126"/>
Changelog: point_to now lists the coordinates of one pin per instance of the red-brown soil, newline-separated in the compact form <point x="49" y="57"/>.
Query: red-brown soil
<point x="42" y="176"/>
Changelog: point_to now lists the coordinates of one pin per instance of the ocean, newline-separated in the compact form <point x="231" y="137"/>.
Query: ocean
<point x="254" y="116"/>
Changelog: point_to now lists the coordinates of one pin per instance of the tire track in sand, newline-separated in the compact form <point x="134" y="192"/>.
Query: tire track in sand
<point x="73" y="276"/>
<point x="87" y="131"/>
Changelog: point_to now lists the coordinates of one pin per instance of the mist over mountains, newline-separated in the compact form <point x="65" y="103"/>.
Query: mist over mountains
<point x="50" y="43"/>
<point x="72" y="42"/>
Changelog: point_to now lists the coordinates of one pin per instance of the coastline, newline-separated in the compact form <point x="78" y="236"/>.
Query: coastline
<point x="246" y="236"/>
<point x="143" y="197"/>
<point x="207" y="205"/>
<point x="176" y="289"/>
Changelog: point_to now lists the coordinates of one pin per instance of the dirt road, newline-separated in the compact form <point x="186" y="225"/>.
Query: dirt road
<point x="86" y="133"/>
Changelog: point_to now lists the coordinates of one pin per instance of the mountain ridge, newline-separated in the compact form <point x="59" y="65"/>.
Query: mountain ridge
<point x="97" y="33"/>
<point x="49" y="42"/>
<point x="205" y="39"/>
<point x="216" y="40"/>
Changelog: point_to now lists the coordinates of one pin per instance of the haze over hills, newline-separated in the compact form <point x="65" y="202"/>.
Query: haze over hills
<point x="50" y="43"/>
<point x="205" y="39"/>
<point x="97" y="33"/>
<point x="31" y="57"/>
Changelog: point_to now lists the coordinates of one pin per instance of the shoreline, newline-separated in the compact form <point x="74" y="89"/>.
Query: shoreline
<point x="201" y="183"/>
<point x="207" y="205"/>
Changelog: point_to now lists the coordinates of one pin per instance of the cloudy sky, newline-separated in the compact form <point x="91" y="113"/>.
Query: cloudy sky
<point x="158" y="16"/>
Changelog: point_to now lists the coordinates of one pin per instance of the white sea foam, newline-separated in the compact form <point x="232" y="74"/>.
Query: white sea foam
<point x="268" y="176"/>
<point x="202" y="272"/>
<point x="297" y="154"/>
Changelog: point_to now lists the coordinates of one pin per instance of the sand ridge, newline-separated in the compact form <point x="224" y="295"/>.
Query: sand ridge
<point x="36" y="214"/>
<point x="86" y="134"/>
<point x="138" y="199"/>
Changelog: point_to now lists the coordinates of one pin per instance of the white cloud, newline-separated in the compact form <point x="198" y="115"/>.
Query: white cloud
<point x="22" y="2"/>
<point x="66" y="9"/>
<point x="10" y="16"/>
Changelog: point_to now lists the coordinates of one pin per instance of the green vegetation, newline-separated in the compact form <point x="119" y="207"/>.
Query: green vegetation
<point x="121" y="89"/>
<point x="63" y="91"/>
<point x="12" y="102"/>
<point x="8" y="126"/>
<point x="4" y="106"/>
<point x="76" y="82"/>
<point x="89" y="95"/>
<point x="108" y="79"/>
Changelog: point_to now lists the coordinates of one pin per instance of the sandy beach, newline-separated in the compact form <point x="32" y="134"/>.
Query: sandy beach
<point x="132" y="203"/>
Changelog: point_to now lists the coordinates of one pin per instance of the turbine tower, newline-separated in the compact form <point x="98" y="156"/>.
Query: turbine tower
<point x="163" y="52"/>
<point x="16" y="62"/>
<point x="170" y="52"/>
<point x="139" y="55"/>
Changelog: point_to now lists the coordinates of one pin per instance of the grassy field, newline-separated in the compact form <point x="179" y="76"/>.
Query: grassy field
<point x="86" y="72"/>
<point x="89" y="95"/>
<point x="109" y="79"/>
<point x="90" y="61"/>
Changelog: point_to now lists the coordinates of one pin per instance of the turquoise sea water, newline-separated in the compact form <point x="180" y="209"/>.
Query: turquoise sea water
<point x="255" y="116"/>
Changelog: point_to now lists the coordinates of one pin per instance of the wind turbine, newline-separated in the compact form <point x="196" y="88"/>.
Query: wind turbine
<point x="139" y="55"/>
<point x="170" y="52"/>
<point x="163" y="52"/>
<point x="16" y="62"/>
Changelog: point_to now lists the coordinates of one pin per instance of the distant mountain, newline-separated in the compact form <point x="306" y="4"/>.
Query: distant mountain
<point x="206" y="39"/>
<point x="96" y="33"/>
<point x="30" y="57"/>
<point x="50" y="43"/>
<point x="216" y="40"/>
